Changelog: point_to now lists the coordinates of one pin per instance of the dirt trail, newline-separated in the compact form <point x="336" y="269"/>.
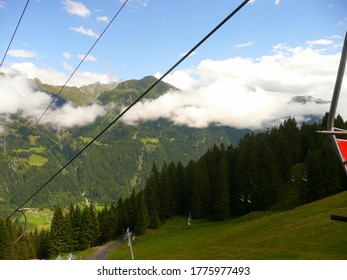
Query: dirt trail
<point x="102" y="251"/>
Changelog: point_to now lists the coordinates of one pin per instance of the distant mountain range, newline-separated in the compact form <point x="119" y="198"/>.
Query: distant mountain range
<point x="308" y="99"/>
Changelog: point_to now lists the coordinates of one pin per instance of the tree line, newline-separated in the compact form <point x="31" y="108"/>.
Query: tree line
<point x="227" y="181"/>
<point x="72" y="229"/>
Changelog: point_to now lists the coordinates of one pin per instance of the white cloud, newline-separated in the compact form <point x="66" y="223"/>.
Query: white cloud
<point x="86" y="78"/>
<point x="245" y="92"/>
<point x="67" y="66"/>
<point x="18" y="96"/>
<point x="323" y="42"/>
<point x="70" y="116"/>
<point x="88" y="58"/>
<point x="84" y="31"/>
<point x="244" y="45"/>
<point x="46" y="75"/>
<point x="22" y="53"/>
<point x="181" y="79"/>
<point x="135" y="5"/>
<point x="102" y="19"/>
<point x="142" y="3"/>
<point x="335" y="37"/>
<point x="76" y="8"/>
<point x="66" y="55"/>
<point x="54" y="77"/>
<point x="2" y="4"/>
<point x="277" y="2"/>
<point x="200" y="108"/>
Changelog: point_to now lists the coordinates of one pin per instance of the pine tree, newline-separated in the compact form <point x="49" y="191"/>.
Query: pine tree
<point x="237" y="207"/>
<point x="13" y="234"/>
<point x="5" y="241"/>
<point x="130" y="206"/>
<point x="173" y="190"/>
<point x="152" y="199"/>
<point x="74" y="218"/>
<point x="181" y="188"/>
<point x="221" y="190"/>
<point x="164" y="194"/>
<point x="193" y="194"/>
<point x="121" y="216"/>
<point x="246" y="170"/>
<point x="109" y="224"/>
<point x="86" y="229"/>
<point x="94" y="225"/>
<point x="268" y="179"/>
<point x="43" y="244"/>
<point x="24" y="247"/>
<point x="292" y="133"/>
<point x="142" y="217"/>
<point x="104" y="225"/>
<point x="204" y="188"/>
<point x="280" y="145"/>
<point x="57" y="237"/>
<point x="154" y="220"/>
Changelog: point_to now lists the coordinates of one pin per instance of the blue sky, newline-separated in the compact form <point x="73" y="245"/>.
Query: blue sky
<point x="268" y="46"/>
<point x="149" y="35"/>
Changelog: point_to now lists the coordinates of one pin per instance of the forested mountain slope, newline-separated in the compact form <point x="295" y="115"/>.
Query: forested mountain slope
<point x="112" y="167"/>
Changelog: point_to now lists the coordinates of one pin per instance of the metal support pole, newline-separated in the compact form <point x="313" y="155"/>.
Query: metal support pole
<point x="332" y="131"/>
<point x="129" y="244"/>
<point x="338" y="84"/>
<point x="22" y="210"/>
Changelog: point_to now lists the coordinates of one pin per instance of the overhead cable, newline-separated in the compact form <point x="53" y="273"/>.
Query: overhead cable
<point x="14" y="33"/>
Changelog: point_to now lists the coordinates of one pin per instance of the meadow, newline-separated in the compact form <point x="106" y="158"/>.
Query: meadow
<point x="306" y="232"/>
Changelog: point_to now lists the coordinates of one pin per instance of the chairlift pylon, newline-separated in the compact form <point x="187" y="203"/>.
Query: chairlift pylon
<point x="22" y="210"/>
<point x="340" y="145"/>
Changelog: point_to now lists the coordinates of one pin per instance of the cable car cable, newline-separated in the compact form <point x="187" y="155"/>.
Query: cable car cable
<point x="14" y="33"/>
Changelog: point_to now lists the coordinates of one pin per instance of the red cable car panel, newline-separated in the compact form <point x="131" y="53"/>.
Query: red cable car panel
<point x="343" y="149"/>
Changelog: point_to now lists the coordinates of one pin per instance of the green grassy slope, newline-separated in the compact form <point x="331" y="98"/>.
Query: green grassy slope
<point x="290" y="194"/>
<point x="36" y="218"/>
<point x="306" y="232"/>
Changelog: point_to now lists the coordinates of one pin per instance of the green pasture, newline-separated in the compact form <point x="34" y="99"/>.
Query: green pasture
<point x="306" y="232"/>
<point x="36" y="218"/>
<point x="36" y="160"/>
<point x="41" y="218"/>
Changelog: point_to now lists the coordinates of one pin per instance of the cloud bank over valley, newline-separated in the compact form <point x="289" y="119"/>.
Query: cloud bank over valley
<point x="248" y="92"/>
<point x="19" y="96"/>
